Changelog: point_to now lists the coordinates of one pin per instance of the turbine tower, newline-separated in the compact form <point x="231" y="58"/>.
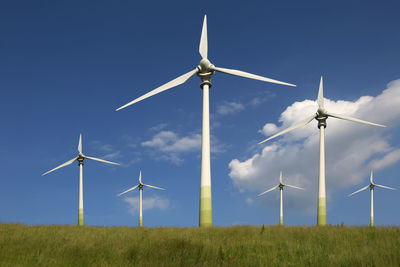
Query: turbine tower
<point x="80" y="158"/>
<point x="280" y="185"/>
<point x="371" y="187"/>
<point x="205" y="70"/>
<point x="140" y="185"/>
<point x="321" y="116"/>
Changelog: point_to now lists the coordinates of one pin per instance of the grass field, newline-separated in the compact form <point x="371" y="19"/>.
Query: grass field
<point x="22" y="245"/>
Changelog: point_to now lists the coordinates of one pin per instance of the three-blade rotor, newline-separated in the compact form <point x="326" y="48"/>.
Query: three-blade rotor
<point x="371" y="186"/>
<point x="140" y="185"/>
<point x="280" y="185"/>
<point x="205" y="67"/>
<point x="80" y="156"/>
<point x="321" y="114"/>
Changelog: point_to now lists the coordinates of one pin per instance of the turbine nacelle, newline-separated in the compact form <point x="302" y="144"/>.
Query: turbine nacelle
<point x="371" y="186"/>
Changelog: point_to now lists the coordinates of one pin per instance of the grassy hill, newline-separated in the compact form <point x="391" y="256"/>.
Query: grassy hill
<point x="22" y="245"/>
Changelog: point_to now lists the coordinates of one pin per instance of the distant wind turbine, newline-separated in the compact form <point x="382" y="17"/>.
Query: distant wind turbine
<point x="371" y="187"/>
<point x="321" y="116"/>
<point x="280" y="185"/>
<point x="80" y="158"/>
<point x="140" y="185"/>
<point x="205" y="70"/>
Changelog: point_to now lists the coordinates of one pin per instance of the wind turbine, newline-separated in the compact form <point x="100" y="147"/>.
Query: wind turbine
<point x="205" y="70"/>
<point x="371" y="187"/>
<point x="280" y="185"/>
<point x="321" y="116"/>
<point x="140" y="185"/>
<point x="80" y="158"/>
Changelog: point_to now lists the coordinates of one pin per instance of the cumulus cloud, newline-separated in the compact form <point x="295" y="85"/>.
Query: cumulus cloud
<point x="269" y="129"/>
<point x="169" y="141"/>
<point x="171" y="145"/>
<point x="154" y="202"/>
<point x="352" y="149"/>
<point x="227" y="108"/>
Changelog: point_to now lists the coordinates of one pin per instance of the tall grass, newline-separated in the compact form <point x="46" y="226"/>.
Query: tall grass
<point x="22" y="245"/>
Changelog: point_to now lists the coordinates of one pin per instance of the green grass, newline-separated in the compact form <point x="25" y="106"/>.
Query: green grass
<point x="22" y="245"/>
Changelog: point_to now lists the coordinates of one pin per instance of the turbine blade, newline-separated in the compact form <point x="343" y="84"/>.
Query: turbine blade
<point x="320" y="99"/>
<point x="273" y="188"/>
<point x="140" y="176"/>
<point x="203" y="48"/>
<point x="152" y="186"/>
<point x="292" y="186"/>
<point x="181" y="79"/>
<point x="80" y="144"/>
<point x="371" y="178"/>
<point x="249" y="75"/>
<point x="353" y="119"/>
<point x="133" y="188"/>
<point x="280" y="177"/>
<point x="383" y="186"/>
<point x="291" y="128"/>
<point x="62" y="165"/>
<point x="365" y="187"/>
<point x="102" y="160"/>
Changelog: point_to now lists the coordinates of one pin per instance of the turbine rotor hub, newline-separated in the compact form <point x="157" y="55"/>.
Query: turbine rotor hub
<point x="205" y="72"/>
<point x="321" y="118"/>
<point x="205" y="66"/>
<point x="80" y="159"/>
<point x="321" y="111"/>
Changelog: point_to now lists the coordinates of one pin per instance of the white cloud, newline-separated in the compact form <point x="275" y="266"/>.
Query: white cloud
<point x="154" y="202"/>
<point x="387" y="160"/>
<point x="169" y="141"/>
<point x="352" y="149"/>
<point x="171" y="146"/>
<point x="158" y="127"/>
<point x="269" y="129"/>
<point x="229" y="108"/>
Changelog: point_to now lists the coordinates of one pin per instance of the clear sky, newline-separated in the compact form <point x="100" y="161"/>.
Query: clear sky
<point x="66" y="66"/>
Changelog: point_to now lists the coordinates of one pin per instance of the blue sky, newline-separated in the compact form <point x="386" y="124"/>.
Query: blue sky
<point x="65" y="68"/>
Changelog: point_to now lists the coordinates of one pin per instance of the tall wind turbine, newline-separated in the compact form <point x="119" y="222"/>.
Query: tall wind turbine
<point x="371" y="187"/>
<point x="280" y="185"/>
<point x="321" y="116"/>
<point x="80" y="158"/>
<point x="140" y="185"/>
<point x="205" y="70"/>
